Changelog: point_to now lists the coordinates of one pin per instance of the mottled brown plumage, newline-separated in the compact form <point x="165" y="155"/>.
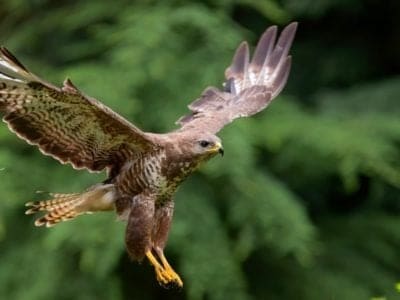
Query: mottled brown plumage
<point x="144" y="169"/>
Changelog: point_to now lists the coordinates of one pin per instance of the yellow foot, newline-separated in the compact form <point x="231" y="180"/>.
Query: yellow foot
<point x="168" y="268"/>
<point x="166" y="276"/>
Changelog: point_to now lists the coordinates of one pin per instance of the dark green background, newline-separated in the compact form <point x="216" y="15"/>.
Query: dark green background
<point x="304" y="205"/>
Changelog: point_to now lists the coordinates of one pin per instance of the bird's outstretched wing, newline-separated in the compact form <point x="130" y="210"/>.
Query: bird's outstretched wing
<point x="250" y="85"/>
<point x="63" y="122"/>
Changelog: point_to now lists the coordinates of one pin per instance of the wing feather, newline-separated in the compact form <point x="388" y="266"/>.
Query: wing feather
<point x="250" y="85"/>
<point x="63" y="122"/>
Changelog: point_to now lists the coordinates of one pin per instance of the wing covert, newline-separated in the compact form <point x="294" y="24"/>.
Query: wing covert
<point x="63" y="122"/>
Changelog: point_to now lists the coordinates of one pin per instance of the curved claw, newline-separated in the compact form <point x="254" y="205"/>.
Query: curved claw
<point x="166" y="276"/>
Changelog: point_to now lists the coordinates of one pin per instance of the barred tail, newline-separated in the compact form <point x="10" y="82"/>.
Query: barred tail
<point x="60" y="208"/>
<point x="64" y="207"/>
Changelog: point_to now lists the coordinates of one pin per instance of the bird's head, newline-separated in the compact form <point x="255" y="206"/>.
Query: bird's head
<point x="205" y="146"/>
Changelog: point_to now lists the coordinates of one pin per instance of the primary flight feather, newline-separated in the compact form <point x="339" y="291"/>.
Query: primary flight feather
<point x="144" y="169"/>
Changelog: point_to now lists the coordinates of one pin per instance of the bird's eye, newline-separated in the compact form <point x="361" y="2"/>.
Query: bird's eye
<point x="204" y="144"/>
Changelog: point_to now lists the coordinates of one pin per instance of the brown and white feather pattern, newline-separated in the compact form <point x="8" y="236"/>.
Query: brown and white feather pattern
<point x="63" y="207"/>
<point x="64" y="123"/>
<point x="145" y="169"/>
<point x="250" y="84"/>
<point x="143" y="173"/>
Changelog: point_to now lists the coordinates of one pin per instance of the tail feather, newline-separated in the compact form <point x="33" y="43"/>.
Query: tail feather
<point x="54" y="217"/>
<point x="59" y="201"/>
<point x="64" y="207"/>
<point x="61" y="208"/>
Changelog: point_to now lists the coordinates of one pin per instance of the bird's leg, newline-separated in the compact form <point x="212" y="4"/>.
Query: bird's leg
<point x="168" y="269"/>
<point x="162" y="224"/>
<point x="157" y="267"/>
<point x="164" y="276"/>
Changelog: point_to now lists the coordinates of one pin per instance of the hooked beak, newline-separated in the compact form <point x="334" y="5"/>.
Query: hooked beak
<point x="218" y="147"/>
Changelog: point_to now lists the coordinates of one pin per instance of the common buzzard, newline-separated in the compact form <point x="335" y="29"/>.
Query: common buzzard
<point x="144" y="169"/>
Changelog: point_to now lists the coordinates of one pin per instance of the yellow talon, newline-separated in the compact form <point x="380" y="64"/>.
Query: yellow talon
<point x="166" y="276"/>
<point x="168" y="269"/>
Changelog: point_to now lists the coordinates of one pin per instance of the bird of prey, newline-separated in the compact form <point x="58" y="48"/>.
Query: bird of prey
<point x="144" y="169"/>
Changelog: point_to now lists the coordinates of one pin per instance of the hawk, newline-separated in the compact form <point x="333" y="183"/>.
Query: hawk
<point x="144" y="169"/>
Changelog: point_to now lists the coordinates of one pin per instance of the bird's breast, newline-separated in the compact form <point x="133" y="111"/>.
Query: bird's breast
<point x="157" y="173"/>
<point x="180" y="170"/>
<point x="146" y="172"/>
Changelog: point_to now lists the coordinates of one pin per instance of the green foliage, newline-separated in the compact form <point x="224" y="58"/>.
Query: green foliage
<point x="305" y="203"/>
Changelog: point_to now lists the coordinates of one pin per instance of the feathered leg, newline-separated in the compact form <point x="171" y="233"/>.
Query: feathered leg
<point x="138" y="228"/>
<point x="163" y="219"/>
<point x="146" y="234"/>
